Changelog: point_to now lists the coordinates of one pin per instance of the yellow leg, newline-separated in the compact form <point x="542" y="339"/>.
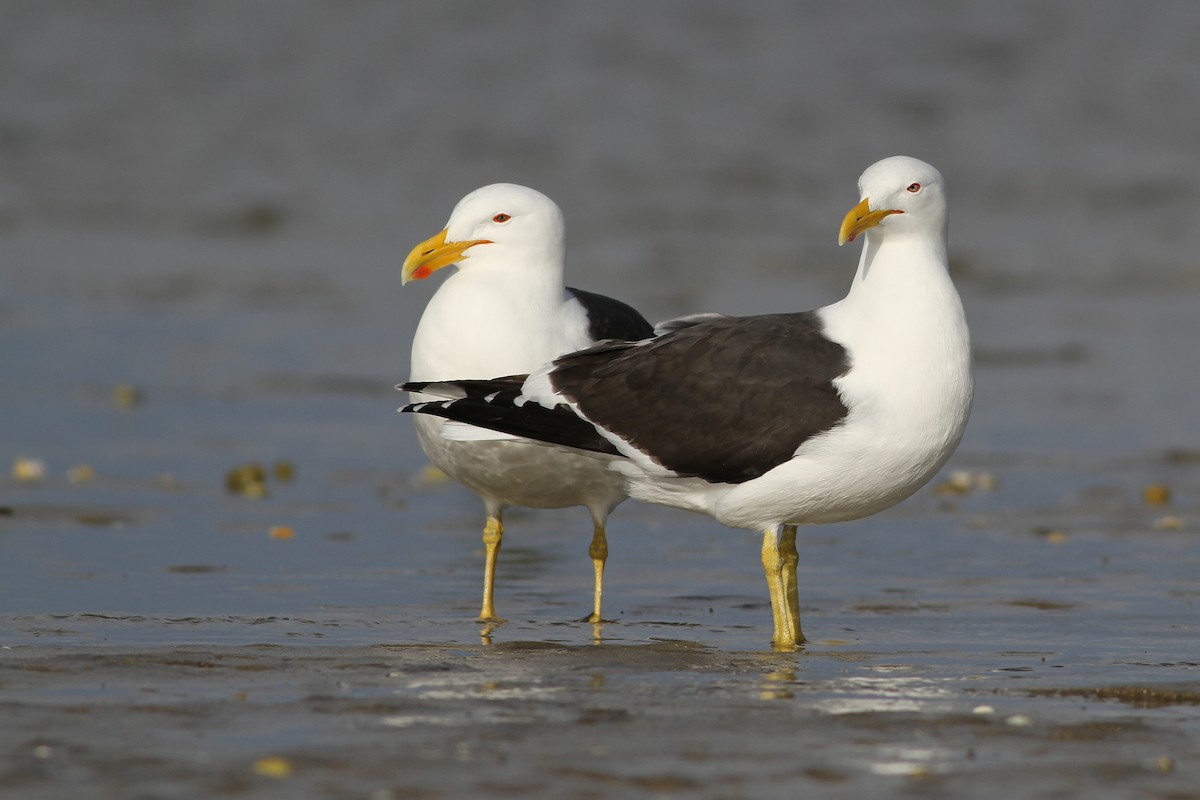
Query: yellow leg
<point x="784" y="637"/>
<point x="791" y="557"/>
<point x="493" y="533"/>
<point x="599" y="553"/>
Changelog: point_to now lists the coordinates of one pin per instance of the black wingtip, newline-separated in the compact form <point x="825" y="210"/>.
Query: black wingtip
<point x="499" y="412"/>
<point x="435" y="408"/>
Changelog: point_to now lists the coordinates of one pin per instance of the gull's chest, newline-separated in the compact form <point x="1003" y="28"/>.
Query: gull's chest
<point x="482" y="330"/>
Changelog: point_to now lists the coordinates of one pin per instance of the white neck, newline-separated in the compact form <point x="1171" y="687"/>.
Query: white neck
<point x="928" y="251"/>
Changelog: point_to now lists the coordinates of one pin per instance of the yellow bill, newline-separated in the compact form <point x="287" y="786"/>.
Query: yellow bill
<point x="433" y="254"/>
<point x="860" y="219"/>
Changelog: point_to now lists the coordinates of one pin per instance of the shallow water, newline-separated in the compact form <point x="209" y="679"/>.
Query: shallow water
<point x="209" y="204"/>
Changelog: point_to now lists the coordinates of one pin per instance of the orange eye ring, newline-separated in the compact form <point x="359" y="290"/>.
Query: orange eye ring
<point x="914" y="187"/>
<point x="501" y="218"/>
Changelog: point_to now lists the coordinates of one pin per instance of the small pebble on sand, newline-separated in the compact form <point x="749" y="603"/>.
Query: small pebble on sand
<point x="247" y="480"/>
<point x="28" y="469"/>
<point x="81" y="473"/>
<point x="126" y="395"/>
<point x="1156" y="494"/>
<point x="1169" y="523"/>
<point x="273" y="767"/>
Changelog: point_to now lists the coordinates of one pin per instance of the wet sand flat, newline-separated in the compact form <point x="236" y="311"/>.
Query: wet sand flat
<point x="665" y="718"/>
<point x="928" y="671"/>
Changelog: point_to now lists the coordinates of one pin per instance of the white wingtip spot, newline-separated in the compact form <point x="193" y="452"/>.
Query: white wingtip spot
<point x="537" y="387"/>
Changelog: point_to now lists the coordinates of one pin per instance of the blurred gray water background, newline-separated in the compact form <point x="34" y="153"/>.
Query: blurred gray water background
<point x="209" y="202"/>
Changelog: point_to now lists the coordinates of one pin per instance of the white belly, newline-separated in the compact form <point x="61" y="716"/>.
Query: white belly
<point x="507" y="473"/>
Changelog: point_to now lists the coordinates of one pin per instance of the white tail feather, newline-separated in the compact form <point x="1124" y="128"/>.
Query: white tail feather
<point x="462" y="432"/>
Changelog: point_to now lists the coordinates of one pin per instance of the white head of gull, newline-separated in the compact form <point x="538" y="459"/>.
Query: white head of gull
<point x="774" y="421"/>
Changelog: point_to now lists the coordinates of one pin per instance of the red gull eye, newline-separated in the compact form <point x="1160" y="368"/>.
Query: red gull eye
<point x="501" y="218"/>
<point x="914" y="187"/>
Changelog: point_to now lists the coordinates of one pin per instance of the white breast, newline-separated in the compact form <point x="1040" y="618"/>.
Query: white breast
<point x="908" y="392"/>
